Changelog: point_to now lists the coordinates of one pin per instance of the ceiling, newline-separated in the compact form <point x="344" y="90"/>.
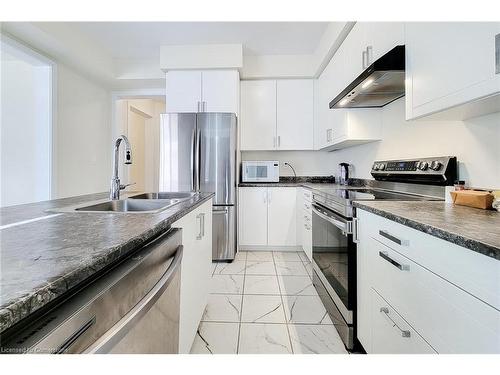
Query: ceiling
<point x="142" y="40"/>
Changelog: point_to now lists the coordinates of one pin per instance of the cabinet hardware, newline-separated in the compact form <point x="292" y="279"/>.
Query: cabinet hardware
<point x="355" y="236"/>
<point x="202" y="226"/>
<point x="363" y="59"/>
<point x="199" y="107"/>
<point x="392" y="238"/>
<point x="279" y="141"/>
<point x="203" y="106"/>
<point x="385" y="256"/>
<point x="404" y="333"/>
<point x="369" y="56"/>
<point x="497" y="54"/>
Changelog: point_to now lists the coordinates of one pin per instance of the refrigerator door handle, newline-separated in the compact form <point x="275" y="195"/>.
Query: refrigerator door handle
<point x="193" y="145"/>
<point x="197" y="160"/>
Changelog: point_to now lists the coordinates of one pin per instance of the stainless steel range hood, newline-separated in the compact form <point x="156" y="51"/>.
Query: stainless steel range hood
<point x="380" y="84"/>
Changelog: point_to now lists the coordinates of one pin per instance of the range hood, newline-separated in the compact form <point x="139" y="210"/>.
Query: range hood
<point x="380" y="84"/>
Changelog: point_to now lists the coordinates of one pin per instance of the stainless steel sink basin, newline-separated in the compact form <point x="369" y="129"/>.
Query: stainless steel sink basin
<point x="129" y="205"/>
<point x="165" y="195"/>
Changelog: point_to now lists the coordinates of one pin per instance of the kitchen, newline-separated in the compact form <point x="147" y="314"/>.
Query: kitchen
<point x="276" y="188"/>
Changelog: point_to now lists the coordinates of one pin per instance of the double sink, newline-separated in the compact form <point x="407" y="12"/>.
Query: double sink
<point x="146" y="202"/>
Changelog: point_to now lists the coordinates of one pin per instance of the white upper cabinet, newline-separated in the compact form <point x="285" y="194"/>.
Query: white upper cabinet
<point x="202" y="91"/>
<point x="277" y="115"/>
<point x="450" y="64"/>
<point x="258" y="115"/>
<point x="221" y="91"/>
<point x="381" y="37"/>
<point x="294" y="114"/>
<point x="183" y="91"/>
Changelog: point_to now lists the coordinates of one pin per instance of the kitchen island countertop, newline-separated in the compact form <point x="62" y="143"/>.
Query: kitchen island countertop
<point x="44" y="253"/>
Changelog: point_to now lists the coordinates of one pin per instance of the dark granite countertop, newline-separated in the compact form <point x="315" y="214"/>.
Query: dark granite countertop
<point x="50" y="252"/>
<point x="475" y="229"/>
<point x="288" y="181"/>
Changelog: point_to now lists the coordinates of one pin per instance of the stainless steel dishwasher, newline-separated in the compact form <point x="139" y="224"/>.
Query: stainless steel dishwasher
<point x="132" y="308"/>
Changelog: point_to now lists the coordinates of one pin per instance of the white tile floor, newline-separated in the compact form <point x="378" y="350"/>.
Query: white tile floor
<point x="264" y="302"/>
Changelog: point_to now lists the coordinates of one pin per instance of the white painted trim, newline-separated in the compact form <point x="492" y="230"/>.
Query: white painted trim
<point x="269" y="248"/>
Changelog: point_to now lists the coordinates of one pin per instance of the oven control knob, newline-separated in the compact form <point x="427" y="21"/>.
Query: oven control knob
<point x="375" y="167"/>
<point x="435" y="165"/>
<point x="423" y="165"/>
<point x="381" y="166"/>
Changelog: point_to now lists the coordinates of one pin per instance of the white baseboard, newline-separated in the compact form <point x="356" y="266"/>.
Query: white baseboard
<point x="269" y="248"/>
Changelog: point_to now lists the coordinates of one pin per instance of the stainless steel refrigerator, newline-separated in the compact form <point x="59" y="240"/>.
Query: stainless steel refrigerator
<point x="198" y="153"/>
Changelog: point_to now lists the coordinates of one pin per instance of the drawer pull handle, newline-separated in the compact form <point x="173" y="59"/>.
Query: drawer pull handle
<point x="385" y="256"/>
<point x="392" y="238"/>
<point x="404" y="333"/>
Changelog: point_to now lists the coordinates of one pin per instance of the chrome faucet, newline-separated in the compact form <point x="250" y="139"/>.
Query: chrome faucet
<point x="114" y="192"/>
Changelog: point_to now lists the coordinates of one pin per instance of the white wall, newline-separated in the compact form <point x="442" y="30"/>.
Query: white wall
<point x="83" y="135"/>
<point x="475" y="142"/>
<point x="25" y="131"/>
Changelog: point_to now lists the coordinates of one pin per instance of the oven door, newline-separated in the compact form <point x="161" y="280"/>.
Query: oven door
<point x="334" y="256"/>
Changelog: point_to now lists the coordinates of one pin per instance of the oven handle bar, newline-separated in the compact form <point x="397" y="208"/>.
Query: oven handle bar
<point x="345" y="226"/>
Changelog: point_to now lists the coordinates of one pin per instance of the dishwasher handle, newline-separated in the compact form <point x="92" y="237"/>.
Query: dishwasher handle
<point x="121" y="328"/>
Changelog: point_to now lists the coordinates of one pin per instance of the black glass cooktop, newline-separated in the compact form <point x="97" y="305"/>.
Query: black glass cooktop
<point x="372" y="194"/>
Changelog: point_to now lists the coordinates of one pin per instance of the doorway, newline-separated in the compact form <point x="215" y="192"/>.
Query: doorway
<point x="139" y="120"/>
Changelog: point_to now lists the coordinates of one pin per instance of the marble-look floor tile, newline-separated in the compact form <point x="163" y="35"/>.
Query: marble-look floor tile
<point x="264" y="339"/>
<point x="223" y="308"/>
<point x="309" y="269"/>
<point x="260" y="256"/>
<point x="286" y="256"/>
<point x="261" y="285"/>
<point x="227" y="284"/>
<point x="305" y="309"/>
<point x="237" y="267"/>
<point x="262" y="309"/>
<point x="241" y="255"/>
<point x="260" y="268"/>
<point x="315" y="339"/>
<point x="290" y="268"/>
<point x="216" y="338"/>
<point x="296" y="285"/>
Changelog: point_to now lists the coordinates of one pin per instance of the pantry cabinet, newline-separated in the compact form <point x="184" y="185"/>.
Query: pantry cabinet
<point x="277" y="114"/>
<point x="421" y="294"/>
<point x="450" y="68"/>
<point x="202" y="91"/>
<point x="267" y="217"/>
<point x="195" y="271"/>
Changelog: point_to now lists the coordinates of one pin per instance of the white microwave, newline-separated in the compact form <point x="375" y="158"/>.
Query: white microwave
<point x="260" y="171"/>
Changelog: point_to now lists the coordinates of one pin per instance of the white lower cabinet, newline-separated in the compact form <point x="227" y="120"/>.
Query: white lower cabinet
<point x="252" y="216"/>
<point x="267" y="217"/>
<point x="424" y="285"/>
<point x="195" y="271"/>
<point x="391" y="334"/>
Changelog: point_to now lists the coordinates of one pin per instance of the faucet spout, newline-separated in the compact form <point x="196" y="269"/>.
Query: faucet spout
<point x="114" y="192"/>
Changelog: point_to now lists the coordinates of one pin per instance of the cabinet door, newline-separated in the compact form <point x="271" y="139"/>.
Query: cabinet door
<point x="258" y="115"/>
<point x="382" y="37"/>
<point x="195" y="273"/>
<point x="221" y="91"/>
<point x="448" y="64"/>
<point x="183" y="91"/>
<point x="282" y="216"/>
<point x="352" y="50"/>
<point x="252" y="223"/>
<point x="294" y="114"/>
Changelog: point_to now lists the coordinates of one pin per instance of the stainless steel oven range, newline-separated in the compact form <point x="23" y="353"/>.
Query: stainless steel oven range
<point x="334" y="228"/>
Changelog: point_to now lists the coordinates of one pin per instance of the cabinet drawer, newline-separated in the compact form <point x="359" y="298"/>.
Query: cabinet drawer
<point x="473" y="272"/>
<point x="450" y="319"/>
<point x="391" y="334"/>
